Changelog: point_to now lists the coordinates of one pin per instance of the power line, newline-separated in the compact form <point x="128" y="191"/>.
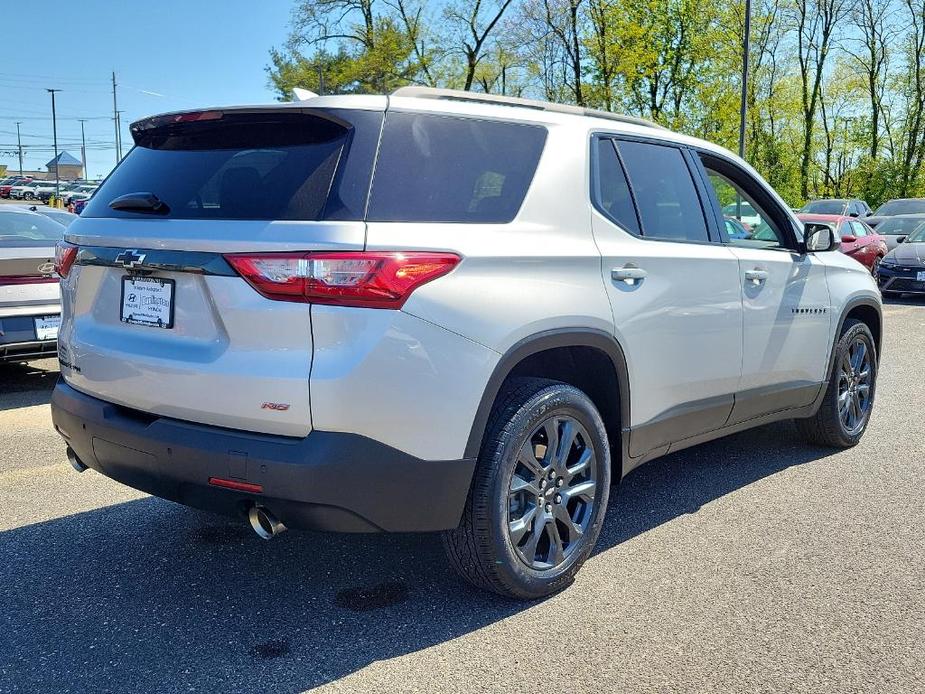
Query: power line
<point x="60" y="118"/>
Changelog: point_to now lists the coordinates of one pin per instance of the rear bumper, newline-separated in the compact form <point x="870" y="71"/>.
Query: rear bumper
<point x="325" y="481"/>
<point x="26" y="351"/>
<point x="18" y="338"/>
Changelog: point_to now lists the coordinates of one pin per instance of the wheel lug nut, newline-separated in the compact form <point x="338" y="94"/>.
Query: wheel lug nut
<point x="552" y="474"/>
<point x="542" y="484"/>
<point x="560" y="482"/>
<point x="558" y="498"/>
<point x="548" y="508"/>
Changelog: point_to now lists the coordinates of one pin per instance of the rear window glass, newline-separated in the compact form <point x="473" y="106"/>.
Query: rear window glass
<point x="448" y="169"/>
<point x="901" y="207"/>
<point x="271" y="165"/>
<point x="824" y="207"/>
<point x="25" y="229"/>
<point x="898" y="226"/>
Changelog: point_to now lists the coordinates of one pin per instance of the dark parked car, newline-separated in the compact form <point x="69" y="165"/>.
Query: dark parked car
<point x="849" y="207"/>
<point x="895" y="228"/>
<point x="892" y="208"/>
<point x="902" y="271"/>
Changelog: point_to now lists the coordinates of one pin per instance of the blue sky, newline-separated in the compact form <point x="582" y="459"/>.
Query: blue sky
<point x="167" y="55"/>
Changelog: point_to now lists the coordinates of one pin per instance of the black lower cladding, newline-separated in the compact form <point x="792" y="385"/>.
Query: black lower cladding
<point x="325" y="481"/>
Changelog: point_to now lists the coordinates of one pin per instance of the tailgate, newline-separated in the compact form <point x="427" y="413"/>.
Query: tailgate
<point x="154" y="317"/>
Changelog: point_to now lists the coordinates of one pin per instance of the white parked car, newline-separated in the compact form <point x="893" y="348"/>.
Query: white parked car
<point x="439" y="311"/>
<point x="30" y="304"/>
<point x="25" y="191"/>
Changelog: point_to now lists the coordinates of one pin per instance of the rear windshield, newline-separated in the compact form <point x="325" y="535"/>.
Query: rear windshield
<point x="27" y="229"/>
<point x="901" y="207"/>
<point x="449" y="169"/>
<point x="898" y="226"/>
<point x="824" y="207"/>
<point x="259" y="165"/>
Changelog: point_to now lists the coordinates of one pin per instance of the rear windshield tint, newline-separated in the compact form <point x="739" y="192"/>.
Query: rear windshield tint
<point x="824" y="207"/>
<point x="898" y="226"/>
<point x="28" y="229"/>
<point x="262" y="166"/>
<point x="448" y="169"/>
<point x="901" y="207"/>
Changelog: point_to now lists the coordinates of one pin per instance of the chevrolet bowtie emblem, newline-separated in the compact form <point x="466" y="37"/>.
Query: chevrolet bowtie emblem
<point x="130" y="259"/>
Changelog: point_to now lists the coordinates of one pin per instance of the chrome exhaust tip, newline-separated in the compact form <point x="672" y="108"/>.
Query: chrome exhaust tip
<point x="264" y="523"/>
<point x="74" y="460"/>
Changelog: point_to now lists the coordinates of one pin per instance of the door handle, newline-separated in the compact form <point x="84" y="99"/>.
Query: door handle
<point x="628" y="273"/>
<point x="756" y="276"/>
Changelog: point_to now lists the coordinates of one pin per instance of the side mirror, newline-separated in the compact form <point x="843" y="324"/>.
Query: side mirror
<point x="848" y="238"/>
<point x="900" y="239"/>
<point x="819" y="237"/>
<point x="853" y="213"/>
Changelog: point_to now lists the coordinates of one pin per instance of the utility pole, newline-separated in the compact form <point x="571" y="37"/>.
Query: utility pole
<point x="54" y="129"/>
<point x="115" y="119"/>
<point x="83" y="147"/>
<point x="119" y="140"/>
<point x="746" y="48"/>
<point x="19" y="145"/>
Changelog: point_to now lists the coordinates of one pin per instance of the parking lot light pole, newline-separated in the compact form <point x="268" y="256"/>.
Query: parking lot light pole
<point x="19" y="145"/>
<point x="54" y="130"/>
<point x="83" y="148"/>
<point x="746" y="47"/>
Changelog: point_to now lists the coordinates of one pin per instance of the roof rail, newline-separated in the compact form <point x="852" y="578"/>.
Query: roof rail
<point x="497" y="100"/>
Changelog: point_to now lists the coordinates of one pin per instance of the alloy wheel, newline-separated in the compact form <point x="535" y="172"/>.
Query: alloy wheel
<point x="552" y="491"/>
<point x="855" y="382"/>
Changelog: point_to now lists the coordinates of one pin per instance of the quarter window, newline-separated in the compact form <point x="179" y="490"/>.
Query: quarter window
<point x="447" y="169"/>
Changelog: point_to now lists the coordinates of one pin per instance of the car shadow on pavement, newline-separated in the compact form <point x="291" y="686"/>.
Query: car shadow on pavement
<point x="150" y="596"/>
<point x="27" y="384"/>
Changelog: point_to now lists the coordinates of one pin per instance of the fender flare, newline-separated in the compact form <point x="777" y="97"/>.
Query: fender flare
<point x="540" y="342"/>
<point x="849" y="306"/>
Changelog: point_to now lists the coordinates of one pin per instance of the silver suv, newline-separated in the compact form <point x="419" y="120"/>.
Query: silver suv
<point x="440" y="311"/>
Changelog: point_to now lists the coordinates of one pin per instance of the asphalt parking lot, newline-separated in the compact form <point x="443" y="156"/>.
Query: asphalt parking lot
<point x="754" y="563"/>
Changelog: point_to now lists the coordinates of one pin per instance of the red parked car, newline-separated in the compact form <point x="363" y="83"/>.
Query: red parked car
<point x="857" y="239"/>
<point x="7" y="184"/>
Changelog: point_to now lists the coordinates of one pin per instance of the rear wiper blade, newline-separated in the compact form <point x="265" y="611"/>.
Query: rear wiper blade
<point x="140" y="202"/>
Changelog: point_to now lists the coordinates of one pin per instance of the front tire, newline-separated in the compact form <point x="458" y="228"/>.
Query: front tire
<point x="539" y="492"/>
<point x="849" y="397"/>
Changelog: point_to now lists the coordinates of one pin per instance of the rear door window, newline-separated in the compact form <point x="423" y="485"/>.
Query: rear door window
<point x="669" y="207"/>
<point x="279" y="164"/>
<point x="434" y="168"/>
<point x="611" y="193"/>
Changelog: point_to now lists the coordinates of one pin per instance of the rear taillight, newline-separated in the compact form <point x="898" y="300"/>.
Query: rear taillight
<point x="65" y="255"/>
<point x="364" y="279"/>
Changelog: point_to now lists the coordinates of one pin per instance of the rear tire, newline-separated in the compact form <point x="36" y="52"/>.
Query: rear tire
<point x="844" y="414"/>
<point x="535" y="507"/>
